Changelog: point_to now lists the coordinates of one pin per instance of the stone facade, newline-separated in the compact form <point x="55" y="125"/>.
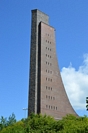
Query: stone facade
<point x="46" y="91"/>
<point x="37" y="17"/>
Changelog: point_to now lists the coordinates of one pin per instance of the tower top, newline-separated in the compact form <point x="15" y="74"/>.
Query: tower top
<point x="37" y="10"/>
<point x="39" y="16"/>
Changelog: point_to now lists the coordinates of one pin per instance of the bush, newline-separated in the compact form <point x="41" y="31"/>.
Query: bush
<point x="46" y="124"/>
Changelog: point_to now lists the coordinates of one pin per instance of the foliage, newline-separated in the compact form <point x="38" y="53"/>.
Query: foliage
<point x="46" y="124"/>
<point x="4" y="122"/>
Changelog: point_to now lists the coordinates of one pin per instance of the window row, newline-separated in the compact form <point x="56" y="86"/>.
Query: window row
<point x="50" y="97"/>
<point x="48" y="88"/>
<point x="48" y="63"/>
<point x="48" y="49"/>
<point x="51" y="107"/>
<point x="48" y="41"/>
<point x="48" y="56"/>
<point x="49" y="35"/>
<point x="49" y="71"/>
<point x="48" y="79"/>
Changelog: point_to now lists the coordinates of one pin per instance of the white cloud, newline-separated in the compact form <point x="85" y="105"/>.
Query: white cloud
<point x="76" y="83"/>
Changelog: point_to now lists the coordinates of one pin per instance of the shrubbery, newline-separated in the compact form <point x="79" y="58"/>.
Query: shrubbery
<point x="44" y="124"/>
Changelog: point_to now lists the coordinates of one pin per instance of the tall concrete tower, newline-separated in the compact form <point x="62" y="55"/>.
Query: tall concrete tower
<point x="46" y="91"/>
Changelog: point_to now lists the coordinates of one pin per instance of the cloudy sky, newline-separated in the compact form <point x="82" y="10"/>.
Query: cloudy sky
<point x="70" y="20"/>
<point x="76" y="83"/>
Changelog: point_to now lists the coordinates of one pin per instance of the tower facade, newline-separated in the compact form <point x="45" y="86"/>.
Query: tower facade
<point x="46" y="91"/>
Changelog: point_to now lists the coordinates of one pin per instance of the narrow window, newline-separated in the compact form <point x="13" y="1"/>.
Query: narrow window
<point x="53" y="98"/>
<point x="46" y="106"/>
<point x="48" y="88"/>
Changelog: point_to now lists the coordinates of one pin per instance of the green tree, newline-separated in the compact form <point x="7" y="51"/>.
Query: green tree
<point x="11" y="120"/>
<point x="4" y="122"/>
<point x="46" y="124"/>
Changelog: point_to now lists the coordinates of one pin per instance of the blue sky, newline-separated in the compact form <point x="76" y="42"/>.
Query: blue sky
<point x="70" y="19"/>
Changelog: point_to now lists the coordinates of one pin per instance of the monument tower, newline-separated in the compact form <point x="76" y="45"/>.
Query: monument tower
<point x="46" y="91"/>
